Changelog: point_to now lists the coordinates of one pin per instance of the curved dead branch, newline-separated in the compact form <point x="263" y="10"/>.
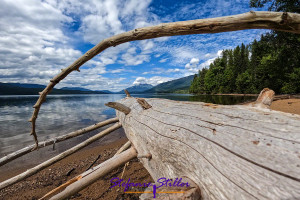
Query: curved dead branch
<point x="288" y="22"/>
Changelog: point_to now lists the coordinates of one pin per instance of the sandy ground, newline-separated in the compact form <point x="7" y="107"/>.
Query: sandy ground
<point x="55" y="175"/>
<point x="38" y="185"/>
<point x="287" y="105"/>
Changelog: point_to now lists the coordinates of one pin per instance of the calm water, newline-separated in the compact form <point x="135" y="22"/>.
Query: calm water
<point x="65" y="113"/>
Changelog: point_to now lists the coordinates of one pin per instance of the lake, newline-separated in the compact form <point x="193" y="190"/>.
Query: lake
<point x="61" y="114"/>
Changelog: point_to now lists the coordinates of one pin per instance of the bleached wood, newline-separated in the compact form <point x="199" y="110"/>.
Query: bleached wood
<point x="288" y="22"/>
<point x="230" y="152"/>
<point x="69" y="182"/>
<point x="30" y="148"/>
<point x="124" y="147"/>
<point x="57" y="158"/>
<point x="264" y="99"/>
<point x="103" y="169"/>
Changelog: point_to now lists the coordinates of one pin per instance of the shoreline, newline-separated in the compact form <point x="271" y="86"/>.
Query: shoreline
<point x="39" y="184"/>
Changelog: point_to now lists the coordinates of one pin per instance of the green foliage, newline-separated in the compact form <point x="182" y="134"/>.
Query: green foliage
<point x="272" y="62"/>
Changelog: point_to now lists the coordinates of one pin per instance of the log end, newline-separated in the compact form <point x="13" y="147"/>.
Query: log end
<point x="264" y="99"/>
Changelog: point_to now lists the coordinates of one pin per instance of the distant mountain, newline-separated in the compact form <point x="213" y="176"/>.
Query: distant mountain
<point x="27" y="85"/>
<point x="84" y="89"/>
<point x="105" y="91"/>
<point x="75" y="88"/>
<point x="138" y="88"/>
<point x="34" y="89"/>
<point x="172" y="86"/>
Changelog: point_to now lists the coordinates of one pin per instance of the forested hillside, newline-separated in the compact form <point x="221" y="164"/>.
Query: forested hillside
<point x="273" y="61"/>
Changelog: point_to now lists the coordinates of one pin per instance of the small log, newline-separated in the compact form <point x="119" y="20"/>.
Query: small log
<point x="57" y="158"/>
<point x="124" y="147"/>
<point x="229" y="151"/>
<point x="103" y="169"/>
<point x="89" y="171"/>
<point x="145" y="105"/>
<point x="127" y="93"/>
<point x="28" y="149"/>
<point x="119" y="107"/>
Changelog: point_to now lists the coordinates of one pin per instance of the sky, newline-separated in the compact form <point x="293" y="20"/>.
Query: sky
<point x="38" y="38"/>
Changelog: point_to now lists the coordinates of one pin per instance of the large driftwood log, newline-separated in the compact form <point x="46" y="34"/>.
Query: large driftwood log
<point x="288" y="22"/>
<point x="28" y="149"/>
<point x="230" y="152"/>
<point x="57" y="158"/>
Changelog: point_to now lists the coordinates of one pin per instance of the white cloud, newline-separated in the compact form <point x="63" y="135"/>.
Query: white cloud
<point x="192" y="64"/>
<point x="163" y="60"/>
<point x="155" y="80"/>
<point x="33" y="47"/>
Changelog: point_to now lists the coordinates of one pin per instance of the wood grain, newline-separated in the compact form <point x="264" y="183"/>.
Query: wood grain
<point x="230" y="152"/>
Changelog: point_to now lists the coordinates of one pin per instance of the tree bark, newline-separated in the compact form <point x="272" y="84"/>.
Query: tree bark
<point x="230" y="152"/>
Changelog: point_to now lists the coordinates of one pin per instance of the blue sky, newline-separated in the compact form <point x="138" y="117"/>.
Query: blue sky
<point x="39" y="38"/>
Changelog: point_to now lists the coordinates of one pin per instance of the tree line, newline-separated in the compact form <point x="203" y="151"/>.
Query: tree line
<point x="273" y="62"/>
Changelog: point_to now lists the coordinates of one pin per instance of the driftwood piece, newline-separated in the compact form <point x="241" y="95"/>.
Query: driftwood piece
<point x="87" y="172"/>
<point x="28" y="149"/>
<point x="103" y="169"/>
<point x="230" y="152"/>
<point x="124" y="147"/>
<point x="265" y="98"/>
<point x="288" y="22"/>
<point x="119" y="107"/>
<point x="57" y="158"/>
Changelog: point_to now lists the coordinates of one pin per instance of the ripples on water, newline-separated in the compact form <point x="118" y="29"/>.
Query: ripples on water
<point x="61" y="114"/>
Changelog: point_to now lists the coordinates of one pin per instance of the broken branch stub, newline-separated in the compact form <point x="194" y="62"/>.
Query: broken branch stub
<point x="127" y="93"/>
<point x="265" y="98"/>
<point x="145" y="105"/>
<point x="118" y="106"/>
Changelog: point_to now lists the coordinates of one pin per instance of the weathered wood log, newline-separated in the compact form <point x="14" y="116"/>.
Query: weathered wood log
<point x="89" y="171"/>
<point x="103" y="169"/>
<point x="230" y="152"/>
<point x="288" y="22"/>
<point x="30" y="148"/>
<point x="57" y="158"/>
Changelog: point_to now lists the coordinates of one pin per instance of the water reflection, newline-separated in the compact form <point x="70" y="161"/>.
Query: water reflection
<point x="65" y="113"/>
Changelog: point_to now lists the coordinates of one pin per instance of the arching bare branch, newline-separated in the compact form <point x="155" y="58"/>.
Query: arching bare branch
<point x="288" y="22"/>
